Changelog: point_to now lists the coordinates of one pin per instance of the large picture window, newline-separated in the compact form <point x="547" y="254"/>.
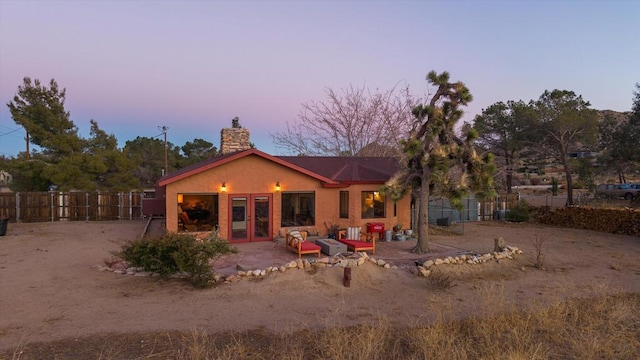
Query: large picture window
<point x="298" y="209"/>
<point x="373" y="205"/>
<point x="344" y="204"/>
<point x="197" y="212"/>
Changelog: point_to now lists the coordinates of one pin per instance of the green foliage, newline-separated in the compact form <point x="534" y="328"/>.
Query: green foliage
<point x="564" y="123"/>
<point x="173" y="253"/>
<point x="148" y="156"/>
<point x="619" y="141"/>
<point x="198" y="150"/>
<point x="40" y="110"/>
<point x="518" y="214"/>
<point x="500" y="130"/>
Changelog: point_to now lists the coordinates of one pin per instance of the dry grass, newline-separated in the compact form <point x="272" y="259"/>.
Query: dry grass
<point x="598" y="327"/>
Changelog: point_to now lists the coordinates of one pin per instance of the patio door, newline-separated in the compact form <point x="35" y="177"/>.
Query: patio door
<point x="250" y="217"/>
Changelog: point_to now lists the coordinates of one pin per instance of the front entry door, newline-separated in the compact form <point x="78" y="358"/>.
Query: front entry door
<point x="250" y="216"/>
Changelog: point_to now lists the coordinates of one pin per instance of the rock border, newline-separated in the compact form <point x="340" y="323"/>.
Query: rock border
<point x="350" y="259"/>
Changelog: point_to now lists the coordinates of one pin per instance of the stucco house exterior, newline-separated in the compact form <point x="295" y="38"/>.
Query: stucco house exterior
<point x="254" y="196"/>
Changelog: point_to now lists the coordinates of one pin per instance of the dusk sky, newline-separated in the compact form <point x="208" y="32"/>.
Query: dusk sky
<point x="194" y="65"/>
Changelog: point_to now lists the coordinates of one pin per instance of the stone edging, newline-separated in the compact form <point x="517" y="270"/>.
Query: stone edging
<point x="339" y="260"/>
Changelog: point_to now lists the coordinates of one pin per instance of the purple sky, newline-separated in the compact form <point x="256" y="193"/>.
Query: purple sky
<point x="194" y="65"/>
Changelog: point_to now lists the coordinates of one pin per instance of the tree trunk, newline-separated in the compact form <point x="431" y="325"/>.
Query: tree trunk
<point x="509" y="172"/>
<point x="567" y="173"/>
<point x="423" y="215"/>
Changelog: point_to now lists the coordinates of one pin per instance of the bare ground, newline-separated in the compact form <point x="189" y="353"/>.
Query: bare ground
<point x="51" y="290"/>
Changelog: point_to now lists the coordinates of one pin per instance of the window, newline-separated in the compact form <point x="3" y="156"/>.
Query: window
<point x="344" y="204"/>
<point x="197" y="212"/>
<point x="373" y="205"/>
<point x="298" y="209"/>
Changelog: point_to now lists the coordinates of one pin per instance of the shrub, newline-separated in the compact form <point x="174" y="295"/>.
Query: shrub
<point x="173" y="253"/>
<point x="520" y="213"/>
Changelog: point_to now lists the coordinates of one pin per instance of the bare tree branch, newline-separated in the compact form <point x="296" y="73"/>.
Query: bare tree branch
<point x="354" y="122"/>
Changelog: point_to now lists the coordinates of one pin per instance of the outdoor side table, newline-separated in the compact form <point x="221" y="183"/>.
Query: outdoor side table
<point x="331" y="246"/>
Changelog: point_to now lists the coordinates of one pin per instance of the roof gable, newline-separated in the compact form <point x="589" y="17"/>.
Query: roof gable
<point x="224" y="159"/>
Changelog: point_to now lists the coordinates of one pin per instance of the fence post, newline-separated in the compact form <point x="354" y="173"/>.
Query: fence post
<point x="130" y="205"/>
<point x="51" y="202"/>
<point x="17" y="207"/>
<point x="86" y="204"/>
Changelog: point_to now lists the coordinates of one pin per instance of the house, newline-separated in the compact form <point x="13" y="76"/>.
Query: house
<point x="255" y="196"/>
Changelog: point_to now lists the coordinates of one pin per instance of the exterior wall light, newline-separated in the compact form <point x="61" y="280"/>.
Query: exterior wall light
<point x="180" y="198"/>
<point x="224" y="186"/>
<point x="278" y="186"/>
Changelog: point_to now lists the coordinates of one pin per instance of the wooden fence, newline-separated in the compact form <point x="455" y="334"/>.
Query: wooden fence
<point x="71" y="206"/>
<point x="97" y="206"/>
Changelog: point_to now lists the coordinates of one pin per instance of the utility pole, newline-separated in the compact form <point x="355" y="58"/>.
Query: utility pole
<point x="28" y="158"/>
<point x="166" y="156"/>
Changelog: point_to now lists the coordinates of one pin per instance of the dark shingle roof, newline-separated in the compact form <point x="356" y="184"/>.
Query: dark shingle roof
<point x="348" y="169"/>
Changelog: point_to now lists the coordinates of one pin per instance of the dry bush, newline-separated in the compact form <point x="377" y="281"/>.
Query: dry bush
<point x="538" y="243"/>
<point x="439" y="281"/>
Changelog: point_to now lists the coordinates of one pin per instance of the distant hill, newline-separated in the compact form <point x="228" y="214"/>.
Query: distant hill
<point x="616" y="117"/>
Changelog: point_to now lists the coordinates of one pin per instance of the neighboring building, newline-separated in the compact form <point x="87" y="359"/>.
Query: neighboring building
<point x="254" y="196"/>
<point x="5" y="181"/>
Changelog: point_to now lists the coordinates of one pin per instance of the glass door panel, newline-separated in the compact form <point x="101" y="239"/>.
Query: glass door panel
<point x="239" y="218"/>
<point x="262" y="216"/>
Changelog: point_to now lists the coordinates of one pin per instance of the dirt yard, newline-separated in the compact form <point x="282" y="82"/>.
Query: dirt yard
<point x="51" y="288"/>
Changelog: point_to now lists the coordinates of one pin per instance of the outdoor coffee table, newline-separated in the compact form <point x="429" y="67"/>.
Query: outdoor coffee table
<point x="331" y="246"/>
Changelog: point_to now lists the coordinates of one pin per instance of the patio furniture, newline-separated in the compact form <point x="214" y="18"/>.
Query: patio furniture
<point x="331" y="246"/>
<point x="356" y="240"/>
<point x="297" y="241"/>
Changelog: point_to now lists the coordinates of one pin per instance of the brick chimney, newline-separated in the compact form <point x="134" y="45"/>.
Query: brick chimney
<point x="234" y="139"/>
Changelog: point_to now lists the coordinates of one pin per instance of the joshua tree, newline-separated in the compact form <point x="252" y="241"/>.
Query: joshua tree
<point x="436" y="160"/>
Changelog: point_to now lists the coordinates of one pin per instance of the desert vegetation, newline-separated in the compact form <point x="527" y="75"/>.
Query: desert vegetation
<point x="598" y="327"/>
<point x="172" y="254"/>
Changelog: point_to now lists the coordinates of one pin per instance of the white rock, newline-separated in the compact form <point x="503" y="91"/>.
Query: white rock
<point x="438" y="261"/>
<point x="256" y="272"/>
<point x="291" y="264"/>
<point x="283" y="268"/>
<point x="381" y="262"/>
<point x="361" y="261"/>
<point x="386" y="266"/>
<point x="446" y="261"/>
<point x="427" y="264"/>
